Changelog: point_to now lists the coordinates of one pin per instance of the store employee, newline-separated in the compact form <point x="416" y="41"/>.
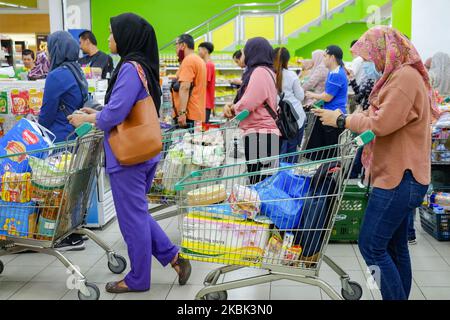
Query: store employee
<point x="94" y="58"/>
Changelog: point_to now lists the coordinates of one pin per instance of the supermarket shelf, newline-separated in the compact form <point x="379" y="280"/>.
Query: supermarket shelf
<point x="440" y="163"/>
<point x="222" y="103"/>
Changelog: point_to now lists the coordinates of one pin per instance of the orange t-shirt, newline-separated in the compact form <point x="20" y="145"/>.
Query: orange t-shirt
<point x="193" y="69"/>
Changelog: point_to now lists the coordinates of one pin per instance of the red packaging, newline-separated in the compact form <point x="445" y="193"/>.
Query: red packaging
<point x="20" y="100"/>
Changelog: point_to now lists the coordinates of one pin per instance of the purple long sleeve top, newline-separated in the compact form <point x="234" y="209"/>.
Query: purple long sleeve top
<point x="127" y="90"/>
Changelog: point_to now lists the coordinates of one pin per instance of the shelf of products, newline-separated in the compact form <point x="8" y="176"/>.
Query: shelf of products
<point x="440" y="151"/>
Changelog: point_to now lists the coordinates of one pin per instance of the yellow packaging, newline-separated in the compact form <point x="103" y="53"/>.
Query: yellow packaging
<point x="35" y="102"/>
<point x="16" y="187"/>
<point x="224" y="241"/>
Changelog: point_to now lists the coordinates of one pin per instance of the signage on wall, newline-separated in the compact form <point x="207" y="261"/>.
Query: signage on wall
<point x="77" y="14"/>
<point x="41" y="42"/>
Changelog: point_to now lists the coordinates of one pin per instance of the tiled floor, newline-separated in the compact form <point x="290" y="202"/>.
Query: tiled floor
<point x="36" y="276"/>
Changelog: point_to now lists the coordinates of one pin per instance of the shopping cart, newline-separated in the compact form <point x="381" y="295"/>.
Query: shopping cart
<point x="311" y="120"/>
<point x="48" y="201"/>
<point x="281" y="224"/>
<point x="187" y="150"/>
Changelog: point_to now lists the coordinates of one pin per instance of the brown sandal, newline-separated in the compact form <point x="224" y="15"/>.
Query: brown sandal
<point x="114" y="287"/>
<point x="185" y="270"/>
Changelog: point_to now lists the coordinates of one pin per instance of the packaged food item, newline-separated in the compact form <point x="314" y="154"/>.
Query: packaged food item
<point x="19" y="100"/>
<point x="16" y="187"/>
<point x="442" y="199"/>
<point x="245" y="201"/>
<point x="25" y="137"/>
<point x="18" y="219"/>
<point x="292" y="255"/>
<point x="3" y="102"/>
<point x="217" y="211"/>
<point x="46" y="174"/>
<point x="207" y="195"/>
<point x="49" y="214"/>
<point x="35" y="102"/>
<point x="225" y="241"/>
<point x="272" y="253"/>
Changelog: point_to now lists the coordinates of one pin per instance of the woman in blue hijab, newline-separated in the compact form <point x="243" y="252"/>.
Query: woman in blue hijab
<point x="66" y="88"/>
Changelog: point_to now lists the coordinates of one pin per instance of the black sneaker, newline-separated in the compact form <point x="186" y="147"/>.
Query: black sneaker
<point x="412" y="242"/>
<point x="71" y="244"/>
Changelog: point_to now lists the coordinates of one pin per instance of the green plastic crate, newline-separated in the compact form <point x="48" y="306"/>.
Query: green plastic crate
<point x="350" y="215"/>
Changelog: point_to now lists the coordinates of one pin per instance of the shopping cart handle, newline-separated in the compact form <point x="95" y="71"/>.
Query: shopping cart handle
<point x="84" y="129"/>
<point x="242" y="116"/>
<point x="365" y="138"/>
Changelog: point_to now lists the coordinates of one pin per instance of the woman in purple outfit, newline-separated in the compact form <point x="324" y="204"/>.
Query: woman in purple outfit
<point x="134" y="40"/>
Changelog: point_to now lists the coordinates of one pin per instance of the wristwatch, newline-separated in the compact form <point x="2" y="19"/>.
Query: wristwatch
<point x="182" y="113"/>
<point x="341" y="121"/>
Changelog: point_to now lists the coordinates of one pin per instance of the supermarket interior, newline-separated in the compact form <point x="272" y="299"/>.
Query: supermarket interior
<point x="225" y="150"/>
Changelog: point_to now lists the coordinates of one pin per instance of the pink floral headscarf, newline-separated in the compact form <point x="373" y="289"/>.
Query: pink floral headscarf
<point x="390" y="50"/>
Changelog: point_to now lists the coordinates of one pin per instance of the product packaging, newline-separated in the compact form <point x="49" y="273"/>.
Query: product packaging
<point x="245" y="201"/>
<point x="18" y="219"/>
<point x="16" y="187"/>
<point x="19" y="100"/>
<point x="3" y="102"/>
<point x="35" y="104"/>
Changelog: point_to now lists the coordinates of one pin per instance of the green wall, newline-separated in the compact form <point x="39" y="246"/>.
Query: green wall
<point x="170" y="18"/>
<point x="402" y="16"/>
<point x="342" y="37"/>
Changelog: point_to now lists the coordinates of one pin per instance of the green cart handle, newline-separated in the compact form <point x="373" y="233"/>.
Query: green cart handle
<point x="365" y="138"/>
<point x="84" y="129"/>
<point x="242" y="116"/>
<point x="318" y="105"/>
<point x="447" y="100"/>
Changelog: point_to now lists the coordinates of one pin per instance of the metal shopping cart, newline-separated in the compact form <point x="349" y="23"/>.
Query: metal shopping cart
<point x="281" y="224"/>
<point x="311" y="120"/>
<point x="187" y="150"/>
<point x="48" y="201"/>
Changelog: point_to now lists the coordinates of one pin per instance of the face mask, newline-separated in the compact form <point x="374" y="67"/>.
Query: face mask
<point x="180" y="55"/>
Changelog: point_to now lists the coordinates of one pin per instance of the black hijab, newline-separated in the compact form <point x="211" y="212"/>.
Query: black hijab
<point x="136" y="41"/>
<point x="258" y="53"/>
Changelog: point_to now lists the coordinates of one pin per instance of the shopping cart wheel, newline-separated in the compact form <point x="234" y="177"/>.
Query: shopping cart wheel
<point x="121" y="264"/>
<point x="2" y="267"/>
<point x="218" y="296"/>
<point x="94" y="292"/>
<point x="357" y="292"/>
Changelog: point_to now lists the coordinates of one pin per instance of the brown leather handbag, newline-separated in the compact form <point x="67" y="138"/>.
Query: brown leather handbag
<point x="138" y="139"/>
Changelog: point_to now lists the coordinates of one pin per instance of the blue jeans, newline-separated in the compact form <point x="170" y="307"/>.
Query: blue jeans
<point x="291" y="146"/>
<point x="383" y="239"/>
<point x="411" y="228"/>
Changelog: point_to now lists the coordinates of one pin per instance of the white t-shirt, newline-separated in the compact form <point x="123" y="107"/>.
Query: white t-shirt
<point x="358" y="70"/>
<point x="294" y="93"/>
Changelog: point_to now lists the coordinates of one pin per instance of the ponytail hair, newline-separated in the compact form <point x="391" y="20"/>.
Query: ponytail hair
<point x="282" y="57"/>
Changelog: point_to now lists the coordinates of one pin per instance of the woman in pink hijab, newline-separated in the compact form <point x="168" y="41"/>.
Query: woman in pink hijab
<point x="402" y="106"/>
<point x="318" y="75"/>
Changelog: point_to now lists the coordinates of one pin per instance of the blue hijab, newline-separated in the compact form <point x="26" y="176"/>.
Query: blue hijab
<point x="64" y="52"/>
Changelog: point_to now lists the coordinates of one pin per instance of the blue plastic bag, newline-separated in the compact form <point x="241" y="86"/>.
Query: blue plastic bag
<point x="280" y="201"/>
<point x="25" y="136"/>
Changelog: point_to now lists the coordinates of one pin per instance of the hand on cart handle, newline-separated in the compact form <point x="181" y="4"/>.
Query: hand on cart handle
<point x="229" y="111"/>
<point x="328" y="117"/>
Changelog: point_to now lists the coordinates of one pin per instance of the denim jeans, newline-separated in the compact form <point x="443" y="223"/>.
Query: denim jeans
<point x="411" y="228"/>
<point x="383" y="239"/>
<point x="291" y="146"/>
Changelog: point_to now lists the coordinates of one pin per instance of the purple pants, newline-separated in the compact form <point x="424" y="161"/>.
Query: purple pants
<point x="142" y="234"/>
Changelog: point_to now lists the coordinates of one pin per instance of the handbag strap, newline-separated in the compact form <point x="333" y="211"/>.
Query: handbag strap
<point x="266" y="105"/>
<point x="142" y="75"/>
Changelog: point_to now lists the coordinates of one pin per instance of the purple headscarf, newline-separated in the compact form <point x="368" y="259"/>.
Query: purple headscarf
<point x="41" y="68"/>
<point x="258" y="53"/>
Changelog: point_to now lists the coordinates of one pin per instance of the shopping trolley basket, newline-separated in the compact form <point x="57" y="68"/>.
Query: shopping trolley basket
<point x="311" y="120"/>
<point x="281" y="224"/>
<point x="46" y="200"/>
<point x="187" y="150"/>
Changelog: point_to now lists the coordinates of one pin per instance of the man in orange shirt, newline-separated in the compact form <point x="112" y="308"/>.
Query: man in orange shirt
<point x="190" y="100"/>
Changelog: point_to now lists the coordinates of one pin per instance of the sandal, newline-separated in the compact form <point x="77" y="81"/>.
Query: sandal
<point x="114" y="287"/>
<point x="185" y="270"/>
